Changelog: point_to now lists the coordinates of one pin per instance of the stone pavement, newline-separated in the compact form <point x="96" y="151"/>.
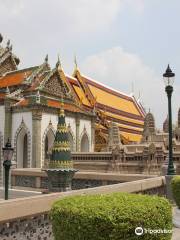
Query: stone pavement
<point x="16" y="193"/>
<point x="176" y="234"/>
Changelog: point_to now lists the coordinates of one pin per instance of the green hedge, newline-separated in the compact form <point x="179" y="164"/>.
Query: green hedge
<point x="110" y="217"/>
<point x="175" y="183"/>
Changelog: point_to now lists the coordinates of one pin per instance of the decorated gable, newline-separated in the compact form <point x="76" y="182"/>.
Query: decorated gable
<point x="8" y="61"/>
<point x="55" y="84"/>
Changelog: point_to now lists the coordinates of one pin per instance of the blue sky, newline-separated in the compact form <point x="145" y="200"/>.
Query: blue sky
<point x="117" y="42"/>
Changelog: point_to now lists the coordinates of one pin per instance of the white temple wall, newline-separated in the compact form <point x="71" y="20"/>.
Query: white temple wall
<point x="2" y="121"/>
<point x="46" y="119"/>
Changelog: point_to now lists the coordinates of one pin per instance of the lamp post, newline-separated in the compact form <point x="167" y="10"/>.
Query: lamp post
<point x="7" y="154"/>
<point x="169" y="80"/>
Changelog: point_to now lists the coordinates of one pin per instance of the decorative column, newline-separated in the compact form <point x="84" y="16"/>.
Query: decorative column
<point x="77" y="135"/>
<point x="36" y="138"/>
<point x="60" y="167"/>
<point x="92" y="135"/>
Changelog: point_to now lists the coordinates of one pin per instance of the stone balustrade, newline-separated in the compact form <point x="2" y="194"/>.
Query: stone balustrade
<point x="36" y="179"/>
<point x="27" y="218"/>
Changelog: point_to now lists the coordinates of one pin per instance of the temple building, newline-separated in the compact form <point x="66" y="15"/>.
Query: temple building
<point x="29" y="104"/>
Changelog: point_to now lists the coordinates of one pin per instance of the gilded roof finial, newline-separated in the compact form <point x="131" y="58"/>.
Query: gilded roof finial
<point x="58" y="64"/>
<point x="10" y="47"/>
<point x="46" y="59"/>
<point x="7" y="92"/>
<point x="38" y="97"/>
<point x="8" y="44"/>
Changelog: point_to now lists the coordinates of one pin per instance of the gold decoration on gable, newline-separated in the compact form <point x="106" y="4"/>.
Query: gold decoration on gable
<point x="56" y="86"/>
<point x="100" y="141"/>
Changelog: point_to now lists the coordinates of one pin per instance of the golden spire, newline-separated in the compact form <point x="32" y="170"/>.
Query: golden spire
<point x="58" y="64"/>
<point x="46" y="59"/>
<point x="61" y="112"/>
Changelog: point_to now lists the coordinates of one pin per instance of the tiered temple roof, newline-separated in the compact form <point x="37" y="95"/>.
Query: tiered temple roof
<point x="45" y="86"/>
<point x="110" y="105"/>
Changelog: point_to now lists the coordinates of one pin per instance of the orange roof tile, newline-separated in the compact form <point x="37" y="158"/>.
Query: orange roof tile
<point x="126" y="120"/>
<point x="14" y="78"/>
<point x="113" y="101"/>
<point x="57" y="104"/>
<point x="2" y="95"/>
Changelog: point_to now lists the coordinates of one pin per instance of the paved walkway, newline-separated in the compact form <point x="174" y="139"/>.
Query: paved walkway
<point x="16" y="193"/>
<point x="176" y="234"/>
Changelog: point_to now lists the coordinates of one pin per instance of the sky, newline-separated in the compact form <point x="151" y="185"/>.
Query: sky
<point x="125" y="44"/>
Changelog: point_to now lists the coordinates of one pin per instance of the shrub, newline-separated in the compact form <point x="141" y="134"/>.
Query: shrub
<point x="110" y="217"/>
<point x="175" y="183"/>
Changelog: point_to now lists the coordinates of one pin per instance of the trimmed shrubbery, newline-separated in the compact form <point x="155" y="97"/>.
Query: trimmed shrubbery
<point x="110" y="217"/>
<point x="175" y="183"/>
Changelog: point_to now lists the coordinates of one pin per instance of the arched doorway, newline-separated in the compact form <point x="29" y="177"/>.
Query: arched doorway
<point x="22" y="149"/>
<point x="49" y="140"/>
<point x="84" y="143"/>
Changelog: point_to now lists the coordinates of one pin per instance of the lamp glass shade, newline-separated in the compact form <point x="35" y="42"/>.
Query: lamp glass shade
<point x="8" y="153"/>
<point x="169" y="77"/>
<point x="169" y="81"/>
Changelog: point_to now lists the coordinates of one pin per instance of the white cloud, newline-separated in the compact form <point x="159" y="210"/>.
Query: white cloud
<point x="37" y="27"/>
<point x="79" y="15"/>
<point x="13" y="8"/>
<point x="118" y="69"/>
<point x="40" y="26"/>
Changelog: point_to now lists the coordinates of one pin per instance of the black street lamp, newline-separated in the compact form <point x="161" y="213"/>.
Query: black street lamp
<point x="7" y="154"/>
<point x="169" y="80"/>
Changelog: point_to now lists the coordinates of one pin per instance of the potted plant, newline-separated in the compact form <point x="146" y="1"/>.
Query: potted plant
<point x="175" y="183"/>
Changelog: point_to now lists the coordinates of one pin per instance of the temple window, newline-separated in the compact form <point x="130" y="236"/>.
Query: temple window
<point x="84" y="143"/>
<point x="22" y="149"/>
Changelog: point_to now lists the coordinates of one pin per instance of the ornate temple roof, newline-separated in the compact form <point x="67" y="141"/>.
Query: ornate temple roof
<point x="46" y="86"/>
<point x="15" y="78"/>
<point x="110" y="105"/>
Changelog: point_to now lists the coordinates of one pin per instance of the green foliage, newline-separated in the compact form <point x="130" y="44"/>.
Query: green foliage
<point x="110" y="217"/>
<point x="175" y="183"/>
